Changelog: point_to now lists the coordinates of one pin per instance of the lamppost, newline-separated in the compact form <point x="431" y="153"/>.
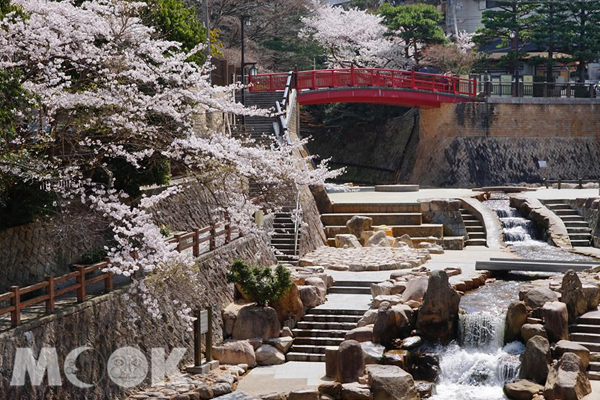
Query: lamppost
<point x="514" y="36"/>
<point x="245" y="21"/>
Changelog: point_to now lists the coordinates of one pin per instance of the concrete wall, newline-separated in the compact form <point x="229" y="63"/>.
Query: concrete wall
<point x="105" y="324"/>
<point x="473" y="144"/>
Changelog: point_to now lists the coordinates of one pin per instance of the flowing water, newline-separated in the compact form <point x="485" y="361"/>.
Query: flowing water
<point x="477" y="367"/>
<point x="520" y="234"/>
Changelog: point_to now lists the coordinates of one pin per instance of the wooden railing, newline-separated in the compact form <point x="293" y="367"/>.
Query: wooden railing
<point x="184" y="241"/>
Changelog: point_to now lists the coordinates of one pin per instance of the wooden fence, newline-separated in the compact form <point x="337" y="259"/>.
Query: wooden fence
<point x="184" y="241"/>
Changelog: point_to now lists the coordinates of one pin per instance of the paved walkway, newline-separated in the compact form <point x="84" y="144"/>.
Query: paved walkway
<point x="283" y="378"/>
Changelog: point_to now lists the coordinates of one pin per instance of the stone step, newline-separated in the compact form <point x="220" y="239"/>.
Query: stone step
<point x="561" y="206"/>
<point x="293" y="356"/>
<point x="477" y="235"/>
<point x="579" y="230"/>
<point x="284" y="246"/>
<point x="576" y="224"/>
<point x="308" y="349"/>
<point x="476" y="242"/>
<point x="585" y="337"/>
<point x="283" y="225"/>
<point x="474" y="228"/>
<point x="282" y="241"/>
<point x="593" y="347"/>
<point x="329" y="311"/>
<point x="360" y="208"/>
<point x="366" y="284"/>
<point x="423" y="230"/>
<point x="594" y="366"/>
<point x="378" y="218"/>
<point x="332" y="318"/>
<point x="554" y="201"/>
<point x="469" y="223"/>
<point x="586" y="320"/>
<point x="572" y="218"/>
<point x="594" y="376"/>
<point x="581" y="243"/>
<point x="322" y="333"/>
<point x="566" y="212"/>
<point x="584" y="328"/>
<point x="342" y="326"/>
<point x="580" y="236"/>
<point x="349" y="290"/>
<point x="469" y="217"/>
<point x="280" y="235"/>
<point x="318" y="341"/>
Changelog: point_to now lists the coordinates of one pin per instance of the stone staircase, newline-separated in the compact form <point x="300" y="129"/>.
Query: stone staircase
<point x="475" y="229"/>
<point x="578" y="229"/>
<point x="586" y="332"/>
<point x="323" y="327"/>
<point x="259" y="128"/>
<point x="403" y="218"/>
<point x="283" y="238"/>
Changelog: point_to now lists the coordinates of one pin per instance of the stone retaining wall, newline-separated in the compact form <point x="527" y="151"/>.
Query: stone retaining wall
<point x="590" y="210"/>
<point x="105" y="324"/>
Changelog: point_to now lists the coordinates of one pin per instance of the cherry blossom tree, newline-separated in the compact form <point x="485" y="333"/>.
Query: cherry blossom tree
<point x="109" y="101"/>
<point x="353" y="38"/>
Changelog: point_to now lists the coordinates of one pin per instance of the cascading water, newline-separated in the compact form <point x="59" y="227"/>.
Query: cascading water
<point x="478" y="367"/>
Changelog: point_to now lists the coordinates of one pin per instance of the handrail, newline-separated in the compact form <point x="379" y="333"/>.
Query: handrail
<point x="365" y="77"/>
<point x="184" y="241"/>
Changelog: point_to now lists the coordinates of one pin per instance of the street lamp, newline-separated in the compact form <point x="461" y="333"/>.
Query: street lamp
<point x="514" y="36"/>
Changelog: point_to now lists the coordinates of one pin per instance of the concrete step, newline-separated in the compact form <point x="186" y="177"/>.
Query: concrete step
<point x="476" y="242"/>
<point x="474" y="228"/>
<point x="318" y="341"/>
<point x="581" y="243"/>
<point x="576" y="224"/>
<point x="470" y="223"/>
<point x="566" y="212"/>
<point x="279" y="235"/>
<point x="342" y="326"/>
<point x="349" y="290"/>
<point x="308" y="349"/>
<point x="322" y="333"/>
<point x="469" y="217"/>
<point x="366" y="284"/>
<point x="584" y="328"/>
<point x="294" y="356"/>
<point x="378" y="218"/>
<point x="585" y="337"/>
<point x="332" y="318"/>
<point x="594" y="366"/>
<point x="580" y="236"/>
<point x="594" y="376"/>
<point x="579" y="230"/>
<point x="477" y="235"/>
<point x="360" y="208"/>
<point x="587" y="320"/>
<point x="593" y="347"/>
<point x="328" y="311"/>
<point x="572" y="218"/>
<point x="423" y="230"/>
<point x="554" y="201"/>
<point x="561" y="206"/>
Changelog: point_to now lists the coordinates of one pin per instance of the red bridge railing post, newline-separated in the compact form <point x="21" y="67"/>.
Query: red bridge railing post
<point x="412" y="78"/>
<point x="474" y="87"/>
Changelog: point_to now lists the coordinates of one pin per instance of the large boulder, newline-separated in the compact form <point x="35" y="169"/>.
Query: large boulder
<point x="389" y="382"/>
<point x="282" y="344"/>
<point x="516" y="317"/>
<point x="344" y="240"/>
<point x="379" y="239"/>
<point x="230" y="314"/>
<point x="358" y="224"/>
<point x="404" y="239"/>
<point x="368" y="318"/>
<point x="572" y="295"/>
<point x="350" y="362"/>
<point x="567" y="379"/>
<point x="256" y="322"/>
<point x="320" y="285"/>
<point x="235" y="352"/>
<point x="425" y="366"/>
<point x="592" y="294"/>
<point x="391" y="323"/>
<point x="556" y="320"/>
<point x="522" y="389"/>
<point x="536" y="360"/>
<point x="415" y="289"/>
<point x="538" y="296"/>
<point x="566" y="346"/>
<point x="372" y="352"/>
<point x="360" y="334"/>
<point x="530" y="330"/>
<point x="355" y="391"/>
<point x="437" y="318"/>
<point x="289" y="306"/>
<point x="309" y="296"/>
<point x="387" y="288"/>
<point x="269" y="355"/>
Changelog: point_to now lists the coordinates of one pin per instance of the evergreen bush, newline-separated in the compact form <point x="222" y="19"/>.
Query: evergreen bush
<point x="261" y="284"/>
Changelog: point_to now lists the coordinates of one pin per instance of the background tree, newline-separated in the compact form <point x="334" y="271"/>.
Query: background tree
<point x="449" y="58"/>
<point x="418" y="25"/>
<point x="582" y="32"/>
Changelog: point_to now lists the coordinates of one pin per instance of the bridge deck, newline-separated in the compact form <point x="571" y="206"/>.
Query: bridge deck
<point x="501" y="264"/>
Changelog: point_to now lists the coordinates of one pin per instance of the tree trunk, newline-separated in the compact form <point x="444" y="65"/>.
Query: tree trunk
<point x="550" y="66"/>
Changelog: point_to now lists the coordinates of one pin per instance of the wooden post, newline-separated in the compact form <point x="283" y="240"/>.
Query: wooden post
<point x="50" y="305"/>
<point x="196" y="248"/>
<point x="81" y="282"/>
<point x="209" y="335"/>
<point x="213" y="233"/>
<point x="178" y="238"/>
<point x="15" y="315"/>
<point x="197" y="340"/>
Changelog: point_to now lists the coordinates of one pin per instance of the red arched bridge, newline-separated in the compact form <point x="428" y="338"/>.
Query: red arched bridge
<point x="370" y="85"/>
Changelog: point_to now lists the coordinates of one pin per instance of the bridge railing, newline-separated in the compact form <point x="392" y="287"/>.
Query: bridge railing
<point x="365" y="77"/>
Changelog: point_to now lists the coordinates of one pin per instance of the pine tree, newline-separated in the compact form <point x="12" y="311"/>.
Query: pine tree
<point x="583" y="32"/>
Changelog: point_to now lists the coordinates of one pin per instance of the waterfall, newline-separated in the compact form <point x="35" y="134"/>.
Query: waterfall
<point x="481" y="330"/>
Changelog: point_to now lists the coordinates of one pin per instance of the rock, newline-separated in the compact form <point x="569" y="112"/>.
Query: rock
<point x="286" y="332"/>
<point x="227" y="378"/>
<point x="347" y="241"/>
<point x="221" y="388"/>
<point x="516" y="317"/>
<point x="567" y="379"/>
<point x="368" y="319"/>
<point x="289" y="306"/>
<point x="309" y="296"/>
<point x="230" y="314"/>
<point x="361" y="334"/>
<point x="522" y="389"/>
<point x="388" y="324"/>
<point x="255" y="342"/>
<point x="282" y="344"/>
<point x="387" y="288"/>
<point x="398" y="358"/>
<point x="372" y="352"/>
<point x="592" y="294"/>
<point x="425" y="366"/>
<point x="538" y="296"/>
<point x="437" y="318"/>
<point x="391" y="299"/>
<point x="355" y="391"/>
<point x="234" y="352"/>
<point x="350" y="361"/>
<point x="566" y="346"/>
<point x="411" y="342"/>
<point x="254" y="321"/>
<point x="405" y="239"/>
<point x="269" y="355"/>
<point x="379" y="239"/>
<point x="331" y="388"/>
<point x="358" y="224"/>
<point x="415" y="289"/>
<point x="536" y="360"/>
<point x="530" y="330"/>
<point x="424" y="388"/>
<point x="331" y="361"/>
<point x="556" y="320"/>
<point x="453" y="271"/>
<point x="304" y="394"/>
<point x="572" y="295"/>
<point x="205" y="392"/>
<point x="389" y="382"/>
<point x="321" y="286"/>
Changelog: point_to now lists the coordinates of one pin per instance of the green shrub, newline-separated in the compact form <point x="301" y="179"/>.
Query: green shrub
<point x="260" y="284"/>
<point x="165" y="231"/>
<point x="93" y="256"/>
